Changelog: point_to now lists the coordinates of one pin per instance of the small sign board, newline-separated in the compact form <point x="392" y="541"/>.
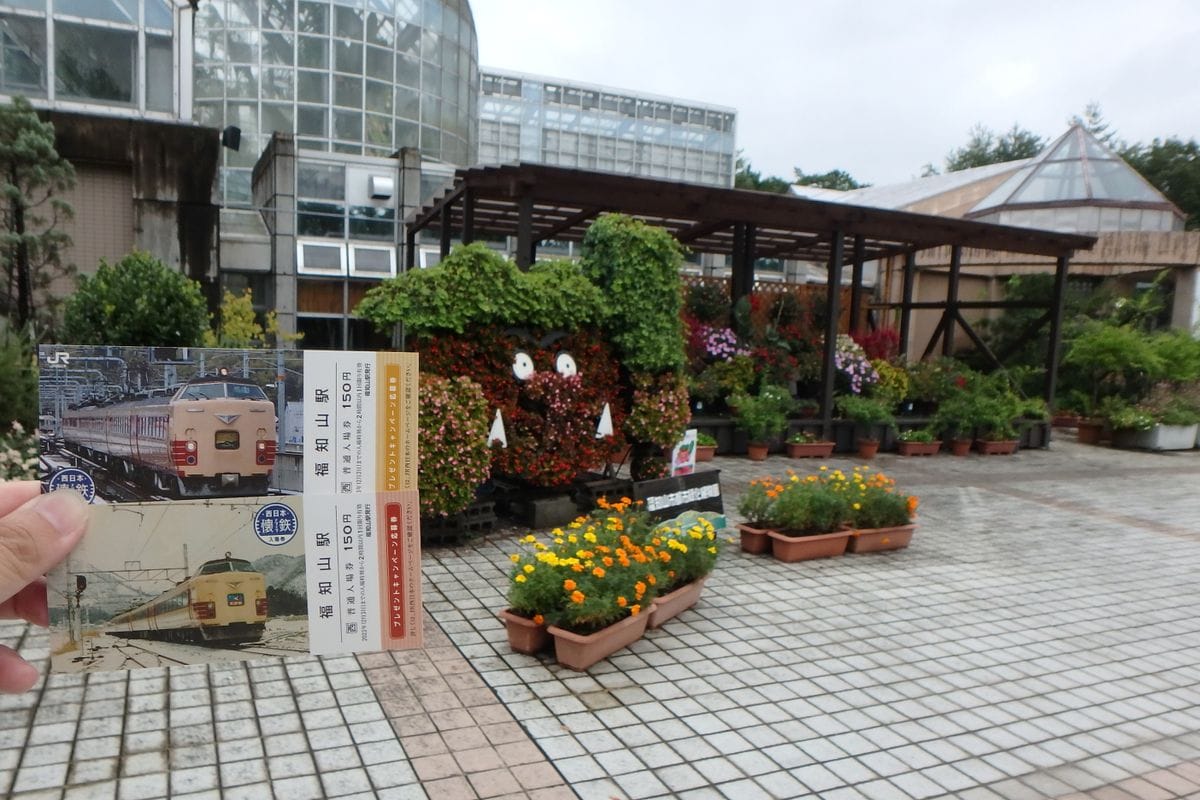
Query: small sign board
<point x="669" y="497"/>
<point x="683" y="455"/>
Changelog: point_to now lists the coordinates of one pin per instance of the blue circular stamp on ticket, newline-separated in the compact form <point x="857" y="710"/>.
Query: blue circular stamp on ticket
<point x="275" y="524"/>
<point x="73" y="478"/>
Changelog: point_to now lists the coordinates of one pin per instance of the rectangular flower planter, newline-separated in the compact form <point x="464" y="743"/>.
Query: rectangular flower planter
<point x="672" y="604"/>
<point x="918" y="448"/>
<point x="1160" y="437"/>
<point x="987" y="447"/>
<point x="810" y="449"/>
<point x="873" y="540"/>
<point x="524" y="635"/>
<point x="754" y="540"/>
<point x="580" y="652"/>
<point x="804" y="548"/>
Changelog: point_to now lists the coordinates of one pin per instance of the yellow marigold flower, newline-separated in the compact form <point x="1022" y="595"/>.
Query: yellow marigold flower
<point x="824" y="468"/>
<point x="572" y="539"/>
<point x="519" y="579"/>
<point x="530" y="539"/>
<point x="712" y="550"/>
<point x="598" y="572"/>
<point x="558" y="541"/>
<point x="589" y="537"/>
<point x="538" y="619"/>
<point x="514" y="558"/>
<point x="577" y="597"/>
<point x="857" y="506"/>
<point x="528" y="568"/>
<point x="568" y="585"/>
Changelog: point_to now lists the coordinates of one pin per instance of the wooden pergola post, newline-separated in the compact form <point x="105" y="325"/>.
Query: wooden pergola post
<point x="950" y="315"/>
<point x="1056" y="315"/>
<point x="833" y="311"/>
<point x="525" y="244"/>
<point x="910" y="269"/>
<point x="856" y="279"/>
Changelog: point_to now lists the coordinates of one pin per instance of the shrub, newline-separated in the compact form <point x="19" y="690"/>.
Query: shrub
<point x="453" y="422"/>
<point x="865" y="411"/>
<point x="18" y="379"/>
<point x="18" y="454"/>
<point x="660" y="412"/>
<point x="764" y="417"/>
<point x="637" y="268"/>
<point x="137" y="301"/>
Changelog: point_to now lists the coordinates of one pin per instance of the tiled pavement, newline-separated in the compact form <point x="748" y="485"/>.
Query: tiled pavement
<point x="1040" y="639"/>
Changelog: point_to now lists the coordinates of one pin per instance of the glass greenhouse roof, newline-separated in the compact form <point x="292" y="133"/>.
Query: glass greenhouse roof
<point x="1074" y="169"/>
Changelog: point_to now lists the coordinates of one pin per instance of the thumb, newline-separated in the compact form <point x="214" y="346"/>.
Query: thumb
<point x="37" y="536"/>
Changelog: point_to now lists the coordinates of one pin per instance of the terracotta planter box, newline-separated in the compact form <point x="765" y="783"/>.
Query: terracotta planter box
<point x="754" y="540"/>
<point x="867" y="448"/>
<point x="524" y="635"/>
<point x="960" y="447"/>
<point x="705" y="452"/>
<point x="757" y="452"/>
<point x="918" y="448"/>
<point x="580" y="652"/>
<point x="674" y="603"/>
<point x="810" y="449"/>
<point x="986" y="447"/>
<point x="804" y="548"/>
<point x="873" y="540"/>
<point x="1089" y="432"/>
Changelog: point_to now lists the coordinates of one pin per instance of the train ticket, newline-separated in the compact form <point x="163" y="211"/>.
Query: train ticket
<point x="245" y="503"/>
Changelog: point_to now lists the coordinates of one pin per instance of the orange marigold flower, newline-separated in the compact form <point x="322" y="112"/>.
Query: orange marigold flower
<point x="538" y="619"/>
<point x="577" y="567"/>
<point x="569" y="585"/>
<point x="622" y="602"/>
<point x="640" y="588"/>
<point x="608" y="562"/>
<point x="577" y="596"/>
<point x="635" y="609"/>
<point x="598" y="572"/>
<point x="650" y="579"/>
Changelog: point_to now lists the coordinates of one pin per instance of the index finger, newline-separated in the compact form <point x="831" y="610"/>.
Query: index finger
<point x="14" y="494"/>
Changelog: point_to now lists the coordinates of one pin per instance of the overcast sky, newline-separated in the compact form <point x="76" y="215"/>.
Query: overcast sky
<point x="876" y="87"/>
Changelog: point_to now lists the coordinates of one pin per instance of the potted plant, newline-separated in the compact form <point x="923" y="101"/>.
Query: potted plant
<point x="803" y="444"/>
<point x="918" y="442"/>
<point x="692" y="543"/>
<point x="880" y="516"/>
<point x="763" y="418"/>
<point x="588" y="585"/>
<point x="997" y="411"/>
<point x="867" y="413"/>
<point x="956" y="417"/>
<point x="756" y="506"/>
<point x="706" y="446"/>
<point x="809" y="515"/>
<point x="1163" y="421"/>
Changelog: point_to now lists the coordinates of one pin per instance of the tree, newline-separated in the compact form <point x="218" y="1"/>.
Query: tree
<point x="746" y="177"/>
<point x="32" y="174"/>
<point x="1173" y="167"/>
<point x="834" y="179"/>
<point x="985" y="146"/>
<point x="238" y="326"/>
<point x="1094" y="123"/>
<point x="137" y="301"/>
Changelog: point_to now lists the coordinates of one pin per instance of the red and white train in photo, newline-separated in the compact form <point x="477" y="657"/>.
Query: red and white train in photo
<point x="225" y="602"/>
<point x="211" y="436"/>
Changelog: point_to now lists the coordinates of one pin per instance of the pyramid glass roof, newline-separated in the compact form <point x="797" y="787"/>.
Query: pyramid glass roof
<point x="1074" y="169"/>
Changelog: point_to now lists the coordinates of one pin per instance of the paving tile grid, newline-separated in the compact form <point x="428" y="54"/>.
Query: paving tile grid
<point x="1039" y="639"/>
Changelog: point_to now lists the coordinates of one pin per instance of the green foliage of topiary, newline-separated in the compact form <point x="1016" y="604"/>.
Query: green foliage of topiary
<point x="637" y="268"/>
<point x="475" y="285"/>
<point x="137" y="301"/>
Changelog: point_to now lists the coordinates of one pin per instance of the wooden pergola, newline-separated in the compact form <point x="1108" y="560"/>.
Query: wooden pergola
<point x="535" y="203"/>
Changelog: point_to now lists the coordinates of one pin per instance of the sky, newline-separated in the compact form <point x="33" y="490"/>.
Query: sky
<point x="877" y="88"/>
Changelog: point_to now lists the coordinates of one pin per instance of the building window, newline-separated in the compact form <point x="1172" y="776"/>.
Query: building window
<point x="22" y="55"/>
<point x="94" y="63"/>
<point x="320" y="258"/>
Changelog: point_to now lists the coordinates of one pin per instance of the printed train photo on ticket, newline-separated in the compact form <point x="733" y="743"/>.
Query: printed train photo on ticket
<point x="245" y="503"/>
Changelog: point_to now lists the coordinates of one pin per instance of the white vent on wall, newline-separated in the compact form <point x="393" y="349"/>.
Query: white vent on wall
<point x="381" y="187"/>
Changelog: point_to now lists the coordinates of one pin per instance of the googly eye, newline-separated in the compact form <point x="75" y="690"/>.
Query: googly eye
<point x="522" y="366"/>
<point x="565" y="364"/>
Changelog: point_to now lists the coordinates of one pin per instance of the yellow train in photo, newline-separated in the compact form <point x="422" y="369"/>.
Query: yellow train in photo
<point x="211" y="436"/>
<point x="225" y="602"/>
